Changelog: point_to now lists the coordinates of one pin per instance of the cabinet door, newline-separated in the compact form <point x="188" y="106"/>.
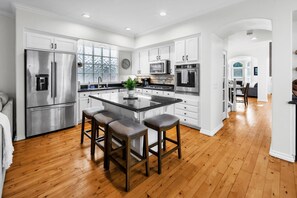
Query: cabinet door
<point x="180" y="51"/>
<point x="84" y="103"/>
<point x="135" y="62"/>
<point x="153" y="54"/>
<point x="65" y="45"/>
<point x="39" y="41"/>
<point x="192" y="49"/>
<point x="144" y="63"/>
<point x="164" y="53"/>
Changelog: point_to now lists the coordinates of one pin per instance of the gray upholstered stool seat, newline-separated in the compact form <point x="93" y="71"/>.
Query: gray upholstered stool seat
<point x="90" y="112"/>
<point x="161" y="124"/>
<point x="87" y="113"/>
<point x="102" y="119"/>
<point x="127" y="130"/>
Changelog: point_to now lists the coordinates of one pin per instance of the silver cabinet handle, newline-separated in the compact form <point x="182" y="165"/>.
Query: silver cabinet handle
<point x="185" y="107"/>
<point x="185" y="119"/>
<point x="183" y="58"/>
<point x="185" y="113"/>
<point x="187" y="57"/>
<point x="52" y="46"/>
<point x="55" y="78"/>
<point x="55" y="45"/>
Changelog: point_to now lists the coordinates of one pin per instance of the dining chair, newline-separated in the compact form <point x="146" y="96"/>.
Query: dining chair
<point x="244" y="95"/>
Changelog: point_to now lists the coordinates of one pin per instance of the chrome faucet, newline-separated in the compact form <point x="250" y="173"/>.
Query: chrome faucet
<point x="99" y="81"/>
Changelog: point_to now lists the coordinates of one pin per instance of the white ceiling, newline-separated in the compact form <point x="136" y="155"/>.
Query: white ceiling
<point x="142" y="16"/>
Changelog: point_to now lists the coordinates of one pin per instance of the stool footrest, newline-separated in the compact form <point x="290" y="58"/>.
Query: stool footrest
<point x="171" y="140"/>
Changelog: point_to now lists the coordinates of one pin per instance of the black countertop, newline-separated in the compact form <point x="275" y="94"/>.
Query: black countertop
<point x="143" y="103"/>
<point x="99" y="89"/>
<point x="164" y="88"/>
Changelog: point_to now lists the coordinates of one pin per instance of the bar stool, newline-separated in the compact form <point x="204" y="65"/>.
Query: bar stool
<point x="162" y="123"/>
<point x="87" y="113"/>
<point x="128" y="130"/>
<point x="101" y="121"/>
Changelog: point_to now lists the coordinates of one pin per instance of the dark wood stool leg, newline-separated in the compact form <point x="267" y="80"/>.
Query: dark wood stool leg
<point x="128" y="158"/>
<point x="93" y="136"/>
<point x="178" y="140"/>
<point x="107" y="142"/>
<point x="82" y="129"/>
<point x="146" y="154"/>
<point x="164" y="140"/>
<point x="159" y="153"/>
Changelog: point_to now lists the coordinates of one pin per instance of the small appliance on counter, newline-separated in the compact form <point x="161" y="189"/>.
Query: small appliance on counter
<point x="145" y="81"/>
<point x="160" y="67"/>
<point x="187" y="78"/>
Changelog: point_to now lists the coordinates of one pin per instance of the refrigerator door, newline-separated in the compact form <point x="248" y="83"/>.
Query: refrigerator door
<point x="39" y="78"/>
<point x="51" y="118"/>
<point x="65" y="77"/>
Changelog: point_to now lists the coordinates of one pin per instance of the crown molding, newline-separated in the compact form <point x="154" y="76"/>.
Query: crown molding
<point x="34" y="10"/>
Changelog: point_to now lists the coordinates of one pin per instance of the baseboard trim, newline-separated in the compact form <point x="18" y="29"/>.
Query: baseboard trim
<point x="283" y="156"/>
<point x="212" y="132"/>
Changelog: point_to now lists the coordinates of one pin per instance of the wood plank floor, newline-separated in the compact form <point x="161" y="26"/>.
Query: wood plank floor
<point x="234" y="163"/>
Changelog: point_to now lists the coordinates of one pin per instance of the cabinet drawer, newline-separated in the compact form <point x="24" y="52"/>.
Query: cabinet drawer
<point x="188" y="120"/>
<point x="138" y="90"/>
<point x="84" y="94"/>
<point x="112" y="91"/>
<point x="190" y="102"/>
<point x="169" y="94"/>
<point x="147" y="91"/>
<point x="186" y="113"/>
<point x="157" y="92"/>
<point x="186" y="107"/>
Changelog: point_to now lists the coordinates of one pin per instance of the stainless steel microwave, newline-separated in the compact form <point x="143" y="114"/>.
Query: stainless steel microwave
<point x="160" y="67"/>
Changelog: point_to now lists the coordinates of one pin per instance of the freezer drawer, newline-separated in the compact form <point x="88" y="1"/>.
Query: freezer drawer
<point x="51" y="118"/>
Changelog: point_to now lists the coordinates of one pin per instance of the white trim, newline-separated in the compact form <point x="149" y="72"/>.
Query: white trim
<point x="283" y="156"/>
<point x="213" y="132"/>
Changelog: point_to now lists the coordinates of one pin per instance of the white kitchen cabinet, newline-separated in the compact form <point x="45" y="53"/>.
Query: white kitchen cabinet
<point x="154" y="54"/>
<point x="135" y="63"/>
<point x="39" y="41"/>
<point x="157" y="92"/>
<point x="187" y="50"/>
<point x="138" y="90"/>
<point x="161" y="53"/>
<point x="192" y="49"/>
<point x="144" y="63"/>
<point x="147" y="91"/>
<point x="188" y="110"/>
<point x="65" y="45"/>
<point x="49" y="43"/>
<point x="83" y="103"/>
<point x="180" y="49"/>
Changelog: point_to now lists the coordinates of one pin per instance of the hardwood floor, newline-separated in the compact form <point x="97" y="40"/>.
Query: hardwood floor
<point x="234" y="163"/>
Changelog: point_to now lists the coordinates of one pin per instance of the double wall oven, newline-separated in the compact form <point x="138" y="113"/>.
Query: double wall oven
<point x="187" y="78"/>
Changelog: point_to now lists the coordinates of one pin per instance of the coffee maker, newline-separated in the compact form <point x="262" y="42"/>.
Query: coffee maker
<point x="145" y="81"/>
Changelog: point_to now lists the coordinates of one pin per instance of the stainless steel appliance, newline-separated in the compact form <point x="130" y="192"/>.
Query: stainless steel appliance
<point x="160" y="67"/>
<point x="187" y="78"/>
<point x="50" y="91"/>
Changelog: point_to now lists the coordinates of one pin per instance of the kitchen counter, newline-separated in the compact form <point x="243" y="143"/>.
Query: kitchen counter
<point x="143" y="103"/>
<point x="100" y="89"/>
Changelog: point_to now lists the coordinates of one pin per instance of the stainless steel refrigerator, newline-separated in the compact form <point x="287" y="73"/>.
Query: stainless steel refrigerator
<point x="50" y="91"/>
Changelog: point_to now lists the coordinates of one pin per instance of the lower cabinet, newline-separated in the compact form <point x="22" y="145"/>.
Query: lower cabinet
<point x="188" y="110"/>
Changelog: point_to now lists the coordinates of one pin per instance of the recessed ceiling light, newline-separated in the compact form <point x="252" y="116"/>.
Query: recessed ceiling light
<point x="163" y="13"/>
<point x="85" y="15"/>
<point x="254" y="38"/>
<point x="128" y="29"/>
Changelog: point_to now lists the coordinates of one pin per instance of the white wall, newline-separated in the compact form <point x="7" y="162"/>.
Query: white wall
<point x="280" y="12"/>
<point x="7" y="55"/>
<point x="52" y="24"/>
<point x="125" y="73"/>
<point x="294" y="65"/>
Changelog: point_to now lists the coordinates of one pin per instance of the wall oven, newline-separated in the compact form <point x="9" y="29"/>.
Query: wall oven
<point x="160" y="67"/>
<point x="187" y="78"/>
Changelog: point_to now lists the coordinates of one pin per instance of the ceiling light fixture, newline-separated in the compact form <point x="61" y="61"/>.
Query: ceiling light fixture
<point x="85" y="15"/>
<point x="128" y="29"/>
<point x="254" y="38"/>
<point x="163" y="13"/>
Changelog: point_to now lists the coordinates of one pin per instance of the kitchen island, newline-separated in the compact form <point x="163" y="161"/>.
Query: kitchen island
<point x="145" y="106"/>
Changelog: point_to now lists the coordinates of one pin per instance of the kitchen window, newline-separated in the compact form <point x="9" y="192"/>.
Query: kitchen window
<point x="97" y="60"/>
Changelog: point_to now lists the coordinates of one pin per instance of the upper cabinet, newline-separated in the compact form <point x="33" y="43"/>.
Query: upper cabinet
<point x="143" y="62"/>
<point x="187" y="50"/>
<point x="46" y="42"/>
<point x="161" y="53"/>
